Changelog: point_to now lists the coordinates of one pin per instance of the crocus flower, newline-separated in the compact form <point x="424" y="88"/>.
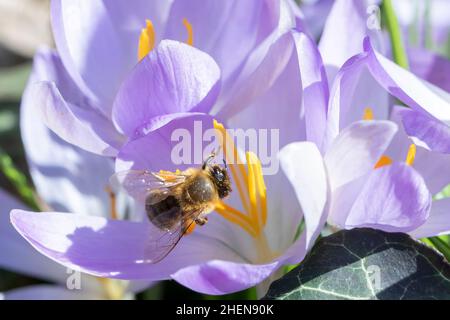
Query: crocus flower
<point x="223" y="259"/>
<point x="362" y="192"/>
<point x="251" y="235"/>
<point x="235" y="250"/>
<point x="100" y="42"/>
<point x="433" y="166"/>
<point x="367" y="78"/>
<point x="367" y="188"/>
<point x="66" y="178"/>
<point x="62" y="283"/>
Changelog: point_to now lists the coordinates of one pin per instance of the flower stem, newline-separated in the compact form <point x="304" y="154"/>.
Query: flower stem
<point x="398" y="48"/>
<point x="18" y="180"/>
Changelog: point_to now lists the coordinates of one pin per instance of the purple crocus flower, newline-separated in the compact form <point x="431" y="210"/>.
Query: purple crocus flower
<point x="240" y="246"/>
<point x="68" y="179"/>
<point x="366" y="78"/>
<point x="223" y="258"/>
<point x="366" y="188"/>
<point x="434" y="167"/>
<point x="63" y="284"/>
<point x="100" y="42"/>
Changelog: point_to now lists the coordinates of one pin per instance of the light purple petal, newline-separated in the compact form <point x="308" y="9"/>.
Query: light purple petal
<point x="302" y="163"/>
<point x="426" y="131"/>
<point x="438" y="223"/>
<point x="48" y="292"/>
<point x="354" y="89"/>
<point x="79" y="176"/>
<point x="51" y="90"/>
<point x="404" y="85"/>
<point x="98" y="40"/>
<point x="357" y="149"/>
<point x="173" y="78"/>
<point x="392" y="198"/>
<point x="315" y="87"/>
<point x="77" y="126"/>
<point x="226" y="30"/>
<point x="222" y="277"/>
<point x="262" y="67"/>
<point x="434" y="167"/>
<point x="343" y="34"/>
<point x="315" y="14"/>
<point x="86" y="243"/>
<point x="17" y="255"/>
<point x="116" y="249"/>
<point x="431" y="67"/>
<point x="160" y="144"/>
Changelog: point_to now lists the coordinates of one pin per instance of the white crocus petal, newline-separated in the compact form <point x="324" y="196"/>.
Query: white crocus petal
<point x="356" y="150"/>
<point x="17" y="255"/>
<point x="416" y="92"/>
<point x="302" y="163"/>
<point x="438" y="223"/>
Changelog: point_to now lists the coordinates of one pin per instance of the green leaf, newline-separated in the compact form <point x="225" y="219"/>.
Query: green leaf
<point x="18" y="180"/>
<point x="366" y="264"/>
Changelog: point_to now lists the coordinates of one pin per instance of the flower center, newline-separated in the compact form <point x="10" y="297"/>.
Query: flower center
<point x="385" y="160"/>
<point x="252" y="193"/>
<point x="147" y="39"/>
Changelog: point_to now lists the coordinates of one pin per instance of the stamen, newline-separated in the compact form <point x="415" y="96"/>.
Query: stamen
<point x="235" y="216"/>
<point x="262" y="191"/>
<point x="368" y="114"/>
<point x="384" y="161"/>
<point x="411" y="155"/>
<point x="147" y="40"/>
<point x="253" y="191"/>
<point x="228" y="147"/>
<point x="190" y="32"/>
<point x="251" y="185"/>
<point x="254" y="217"/>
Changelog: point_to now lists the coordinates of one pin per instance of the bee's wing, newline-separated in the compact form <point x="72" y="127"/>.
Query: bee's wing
<point x="163" y="241"/>
<point x="139" y="183"/>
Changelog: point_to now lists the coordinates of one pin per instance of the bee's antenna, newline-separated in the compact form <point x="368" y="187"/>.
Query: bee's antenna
<point x="207" y="160"/>
<point x="210" y="157"/>
<point x="225" y="163"/>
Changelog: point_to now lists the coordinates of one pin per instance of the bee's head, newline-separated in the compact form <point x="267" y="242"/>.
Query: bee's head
<point x="221" y="179"/>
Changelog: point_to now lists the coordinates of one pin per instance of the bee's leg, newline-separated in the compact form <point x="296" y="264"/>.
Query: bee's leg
<point x="112" y="201"/>
<point x="190" y="226"/>
<point x="201" y="221"/>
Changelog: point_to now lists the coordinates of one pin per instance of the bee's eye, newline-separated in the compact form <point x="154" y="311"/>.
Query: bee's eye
<point x="218" y="174"/>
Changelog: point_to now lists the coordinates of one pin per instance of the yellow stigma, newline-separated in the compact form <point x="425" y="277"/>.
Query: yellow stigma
<point x="383" y="161"/>
<point x="190" y="32"/>
<point x="368" y="114"/>
<point x="147" y="40"/>
<point x="411" y="155"/>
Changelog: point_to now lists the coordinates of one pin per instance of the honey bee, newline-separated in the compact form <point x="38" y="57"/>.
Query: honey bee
<point x="175" y="202"/>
